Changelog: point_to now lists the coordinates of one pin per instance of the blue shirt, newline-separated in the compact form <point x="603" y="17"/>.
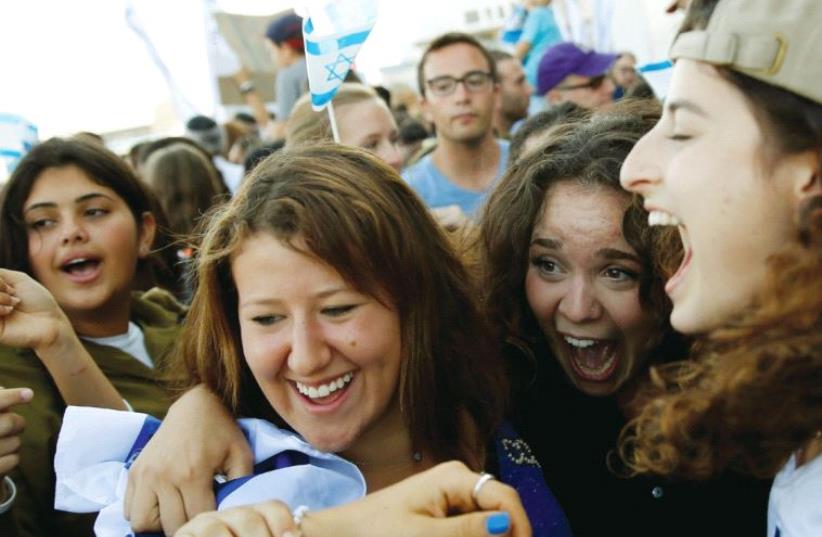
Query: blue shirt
<point x="542" y="31"/>
<point x="437" y="190"/>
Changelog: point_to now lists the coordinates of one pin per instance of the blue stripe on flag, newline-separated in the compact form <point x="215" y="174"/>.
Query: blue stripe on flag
<point x="321" y="99"/>
<point x="659" y="66"/>
<point x="318" y="48"/>
<point x="13" y="153"/>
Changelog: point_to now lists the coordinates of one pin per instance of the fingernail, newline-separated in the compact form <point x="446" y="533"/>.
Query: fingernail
<point x="26" y="394"/>
<point x="498" y="524"/>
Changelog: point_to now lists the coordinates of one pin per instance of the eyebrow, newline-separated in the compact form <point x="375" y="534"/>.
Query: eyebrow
<point x="276" y="301"/>
<point x="551" y="244"/>
<point x="683" y="104"/>
<point x="614" y="254"/>
<point x="51" y="204"/>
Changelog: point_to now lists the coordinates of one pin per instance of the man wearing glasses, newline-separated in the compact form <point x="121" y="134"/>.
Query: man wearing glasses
<point x="458" y="84"/>
<point x="569" y="73"/>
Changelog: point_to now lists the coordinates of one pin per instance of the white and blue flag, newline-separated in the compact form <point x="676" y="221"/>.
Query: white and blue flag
<point x="17" y="137"/>
<point x="333" y="31"/>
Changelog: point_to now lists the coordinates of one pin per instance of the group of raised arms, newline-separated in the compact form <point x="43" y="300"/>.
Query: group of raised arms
<point x="626" y="339"/>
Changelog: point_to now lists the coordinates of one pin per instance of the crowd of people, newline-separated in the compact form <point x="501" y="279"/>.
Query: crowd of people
<point x="535" y="301"/>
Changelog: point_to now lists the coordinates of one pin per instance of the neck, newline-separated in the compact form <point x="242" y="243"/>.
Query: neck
<point x="472" y="166"/>
<point x="385" y="454"/>
<point x="502" y="125"/>
<point x="106" y="321"/>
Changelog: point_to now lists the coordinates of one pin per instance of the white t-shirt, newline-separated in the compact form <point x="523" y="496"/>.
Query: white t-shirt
<point x="132" y="342"/>
<point x="795" y="505"/>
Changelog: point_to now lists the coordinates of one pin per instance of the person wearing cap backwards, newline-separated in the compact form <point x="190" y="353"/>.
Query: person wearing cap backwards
<point x="285" y="39"/>
<point x="735" y="164"/>
<point x="569" y="73"/>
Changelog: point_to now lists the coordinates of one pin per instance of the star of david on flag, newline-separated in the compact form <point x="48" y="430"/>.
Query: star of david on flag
<point x="334" y="31"/>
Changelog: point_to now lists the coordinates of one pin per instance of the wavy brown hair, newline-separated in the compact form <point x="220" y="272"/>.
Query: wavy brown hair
<point x="752" y="394"/>
<point x="345" y="207"/>
<point x="588" y="150"/>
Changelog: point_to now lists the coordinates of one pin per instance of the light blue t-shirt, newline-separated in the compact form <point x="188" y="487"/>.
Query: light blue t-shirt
<point x="436" y="190"/>
<point x="542" y="31"/>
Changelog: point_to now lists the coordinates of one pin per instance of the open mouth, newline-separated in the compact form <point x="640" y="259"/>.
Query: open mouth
<point x="661" y="218"/>
<point x="82" y="269"/>
<point x="326" y="393"/>
<point x="594" y="360"/>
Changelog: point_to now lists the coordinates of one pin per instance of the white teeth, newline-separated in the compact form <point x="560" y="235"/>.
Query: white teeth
<point x="659" y="218"/>
<point x="580" y="343"/>
<point x="324" y="390"/>
<point x="76" y="261"/>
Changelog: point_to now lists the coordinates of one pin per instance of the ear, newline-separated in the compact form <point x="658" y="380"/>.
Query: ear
<point x="146" y="233"/>
<point x="806" y="179"/>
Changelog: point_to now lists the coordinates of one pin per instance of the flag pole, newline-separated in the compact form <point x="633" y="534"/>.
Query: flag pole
<point x="332" y="119"/>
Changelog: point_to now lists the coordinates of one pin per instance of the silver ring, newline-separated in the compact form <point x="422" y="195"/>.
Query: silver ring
<point x="483" y="479"/>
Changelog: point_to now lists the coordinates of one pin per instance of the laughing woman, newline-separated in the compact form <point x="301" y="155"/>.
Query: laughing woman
<point x="330" y="303"/>
<point x="574" y="277"/>
<point x="736" y="164"/>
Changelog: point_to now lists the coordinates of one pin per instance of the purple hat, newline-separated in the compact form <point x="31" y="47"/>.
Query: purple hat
<point x="286" y="29"/>
<point x="566" y="59"/>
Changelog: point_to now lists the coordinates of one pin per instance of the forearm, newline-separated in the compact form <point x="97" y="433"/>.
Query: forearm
<point x="522" y="49"/>
<point x="77" y="376"/>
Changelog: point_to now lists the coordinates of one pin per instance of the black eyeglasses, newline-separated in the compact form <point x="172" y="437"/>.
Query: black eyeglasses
<point x="594" y="83"/>
<point x="474" y="81"/>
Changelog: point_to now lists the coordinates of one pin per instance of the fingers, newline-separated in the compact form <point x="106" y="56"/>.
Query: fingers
<point x="8" y="463"/>
<point x="240" y="460"/>
<point x="472" y="525"/>
<point x="457" y="483"/>
<point x="172" y="509"/>
<point x="198" y="497"/>
<point x="142" y="509"/>
<point x="270" y="519"/>
<point x="14" y="396"/>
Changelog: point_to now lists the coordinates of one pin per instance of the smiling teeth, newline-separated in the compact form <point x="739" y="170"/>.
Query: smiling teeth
<point x="324" y="390"/>
<point x="659" y="218"/>
<point x="580" y="343"/>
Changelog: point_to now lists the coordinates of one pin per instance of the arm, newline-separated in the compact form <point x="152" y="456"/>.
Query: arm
<point x="434" y="503"/>
<point x="31" y="318"/>
<point x="172" y="479"/>
<point x="253" y="99"/>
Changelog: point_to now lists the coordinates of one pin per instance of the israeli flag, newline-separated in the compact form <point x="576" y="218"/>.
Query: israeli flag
<point x="334" y="31"/>
<point x="17" y="137"/>
<point x="92" y="468"/>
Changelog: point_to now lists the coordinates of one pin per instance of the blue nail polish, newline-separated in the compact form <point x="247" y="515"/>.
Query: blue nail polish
<point x="498" y="524"/>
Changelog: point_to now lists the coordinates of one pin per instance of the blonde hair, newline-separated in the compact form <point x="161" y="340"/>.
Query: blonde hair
<point x="307" y="126"/>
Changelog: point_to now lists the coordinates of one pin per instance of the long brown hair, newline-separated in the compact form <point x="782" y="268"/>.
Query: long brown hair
<point x="752" y="394"/>
<point x="354" y="213"/>
<point x="588" y="150"/>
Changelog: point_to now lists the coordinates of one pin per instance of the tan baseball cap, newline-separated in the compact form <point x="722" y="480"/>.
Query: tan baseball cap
<point x="776" y="41"/>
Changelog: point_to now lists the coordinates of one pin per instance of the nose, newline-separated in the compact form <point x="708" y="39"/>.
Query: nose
<point x="639" y="173"/>
<point x="390" y="153"/>
<point x="73" y="232"/>
<point x="579" y="304"/>
<point x="310" y="352"/>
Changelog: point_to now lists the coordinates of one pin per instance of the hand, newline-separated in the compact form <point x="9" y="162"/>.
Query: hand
<point x="172" y="479"/>
<point x="269" y="519"/>
<point x="421" y="506"/>
<point x="11" y="425"/>
<point x="29" y="316"/>
<point x="434" y="503"/>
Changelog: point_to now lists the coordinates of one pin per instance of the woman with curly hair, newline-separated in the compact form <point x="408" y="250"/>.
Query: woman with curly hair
<point x="735" y="165"/>
<point x="574" y="277"/>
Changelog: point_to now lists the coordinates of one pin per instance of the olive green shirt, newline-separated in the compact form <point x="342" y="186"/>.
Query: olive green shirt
<point x="32" y="514"/>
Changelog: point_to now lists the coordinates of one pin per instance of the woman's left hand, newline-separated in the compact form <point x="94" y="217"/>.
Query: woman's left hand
<point x="436" y="503"/>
